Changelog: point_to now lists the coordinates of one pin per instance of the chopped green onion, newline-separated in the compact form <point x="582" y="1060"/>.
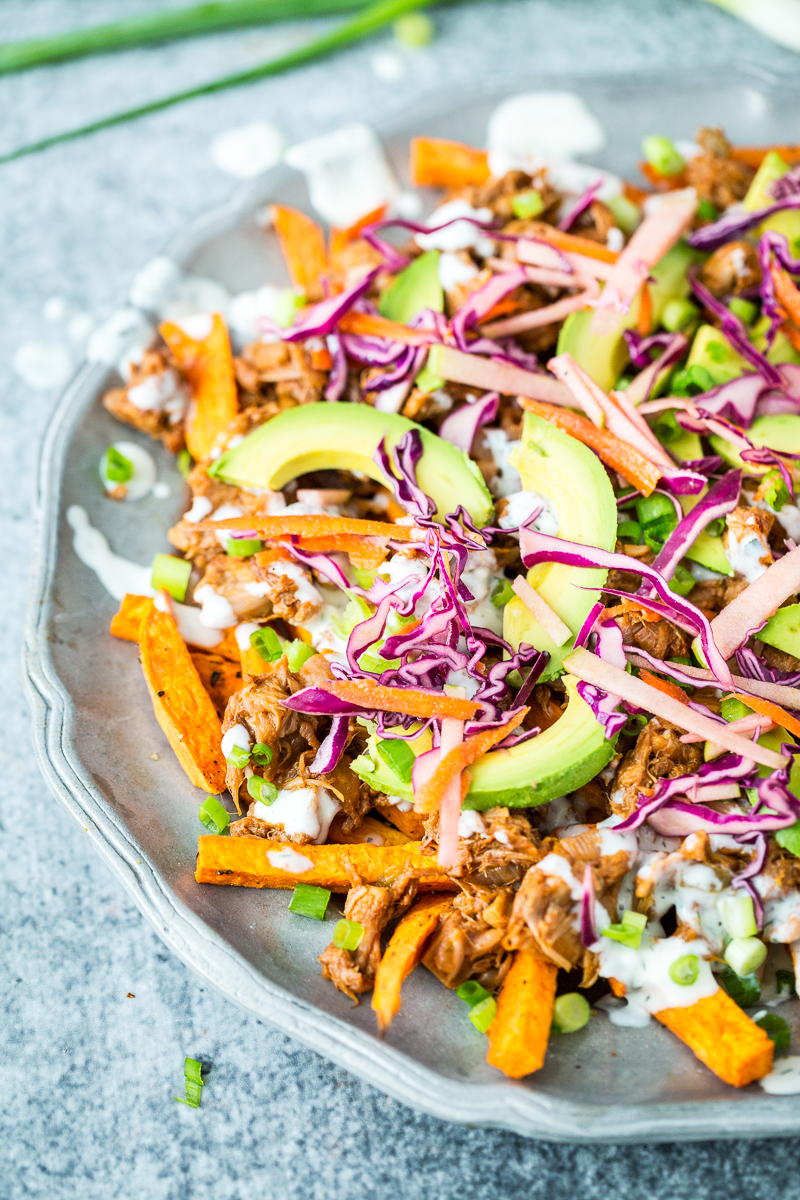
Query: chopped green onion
<point x="184" y="463"/>
<point x="745" y="954"/>
<point x="287" y="305"/>
<point x="717" y="351"/>
<point x="707" y="211"/>
<point x="472" y="993"/>
<point x="356" y="610"/>
<point x="244" y="547"/>
<point x="679" y="314"/>
<point x="745" y="990"/>
<point x="347" y="935"/>
<point x="483" y="1013"/>
<point x="785" y="981"/>
<point x="267" y="644"/>
<point x="773" y="490"/>
<point x="745" y="310"/>
<point x="776" y="1029"/>
<point x="262" y="790"/>
<point x="661" y="154"/>
<point x="526" y="205"/>
<point x="192" y="1083"/>
<point x="429" y="380"/>
<point x="716" y="527"/>
<point x="297" y="653"/>
<point x="684" y="970"/>
<point x="624" y="382"/>
<point x="365" y="576"/>
<point x="634" y="724"/>
<point x="213" y="815"/>
<point x="115" y="467"/>
<point x="738" y="915"/>
<point x="398" y="756"/>
<point x="502" y="592"/>
<point x="261" y="754"/>
<point x="627" y="214"/>
<point x="172" y="574"/>
<point x="630" y="529"/>
<point x="570" y="1013"/>
<point x="666" y="427"/>
<point x="691" y="381"/>
<point x="415" y="30"/>
<point x="654" y="507"/>
<point x="629" y="931"/>
<point x="682" y="581"/>
<point x="731" y="709"/>
<point x="238" y="756"/>
<point x="309" y="901"/>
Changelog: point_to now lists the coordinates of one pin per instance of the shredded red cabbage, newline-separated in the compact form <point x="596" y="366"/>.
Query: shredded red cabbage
<point x="731" y="224"/>
<point x="584" y="201"/>
<point x="735" y="400"/>
<point x="461" y="426"/>
<point x="734" y="329"/>
<point x="321" y="319"/>
<point x="640" y="345"/>
<point x="337" y="380"/>
<point x="721" y="499"/>
<point x="331" y="749"/>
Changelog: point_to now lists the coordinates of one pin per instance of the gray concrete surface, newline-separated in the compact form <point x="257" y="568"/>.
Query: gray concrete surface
<point x="87" y="1072"/>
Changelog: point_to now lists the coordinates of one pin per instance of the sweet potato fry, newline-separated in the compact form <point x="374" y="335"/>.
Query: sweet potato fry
<point x="219" y="676"/>
<point x="256" y="862"/>
<point x="182" y="705"/>
<point x="723" y="1037"/>
<point x="402" y="955"/>
<point x="519" y="1033"/>
<point x="370" y="831"/>
<point x="127" y="623"/>
<point x="303" y="245"/>
<point x="438" y="162"/>
<point x="209" y="367"/>
<point x="409" y="822"/>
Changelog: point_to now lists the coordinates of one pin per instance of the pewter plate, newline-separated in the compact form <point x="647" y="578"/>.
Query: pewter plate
<point x="95" y="732"/>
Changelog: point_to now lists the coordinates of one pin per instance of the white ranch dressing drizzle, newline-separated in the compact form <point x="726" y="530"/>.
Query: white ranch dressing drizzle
<point x="244" y="631"/>
<point x="187" y="618"/>
<point x="247" y="151"/>
<point x="160" y="393"/>
<point x="470" y="822"/>
<point x="143" y="479"/>
<point x="300" y="810"/>
<point x="305" y="591"/>
<point x="460" y="235"/>
<point x="535" y="127"/>
<point x="520" y="505"/>
<point x="201" y="507"/>
<point x="236" y="736"/>
<point x="784" y="1078"/>
<point x="346" y="172"/>
<point x="217" y="612"/>
<point x="119" y="576"/>
<point x="289" y="860"/>
<point x="507" y="480"/>
<point x="453" y="271"/>
<point x="645" y="974"/>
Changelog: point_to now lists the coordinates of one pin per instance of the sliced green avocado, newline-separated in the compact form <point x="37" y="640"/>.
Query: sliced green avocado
<point x="712" y="351"/>
<point x="780" y="432"/>
<point x="316" y="437"/>
<point x="572" y="479"/>
<point x="783" y="630"/>
<point x="604" y="358"/>
<point x="707" y="550"/>
<point x="416" y="287"/>
<point x="787" y="222"/>
<point x="559" y="760"/>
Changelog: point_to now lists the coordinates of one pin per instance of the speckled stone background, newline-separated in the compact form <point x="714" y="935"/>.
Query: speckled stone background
<point x="87" y="1074"/>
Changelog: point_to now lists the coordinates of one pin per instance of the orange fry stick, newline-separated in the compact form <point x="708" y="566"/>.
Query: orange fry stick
<point x="256" y="862"/>
<point x="519" y="1033"/>
<point x="339" y="238"/>
<point x="438" y="162"/>
<point x="402" y="955"/>
<point x="372" y="325"/>
<point x="209" y="367"/>
<point x="723" y="1037"/>
<point x="625" y="459"/>
<point x="666" y="686"/>
<point x="412" y="701"/>
<point x="462" y="756"/>
<point x="303" y="245"/>
<point x="269" y="528"/>
<point x="768" y="708"/>
<point x="127" y="623"/>
<point x="182" y="705"/>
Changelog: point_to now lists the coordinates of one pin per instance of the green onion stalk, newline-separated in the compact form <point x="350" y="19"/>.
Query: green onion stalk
<point x="368" y="21"/>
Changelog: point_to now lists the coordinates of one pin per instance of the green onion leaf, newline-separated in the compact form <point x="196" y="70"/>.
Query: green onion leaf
<point x="184" y="463"/>
<point x="192" y="1083"/>
<point x="297" y="653"/>
<point x="785" y="981"/>
<point x="309" y="901"/>
<point x="630" y="529"/>
<point x="731" y="709"/>
<point x="288" y="302"/>
<point x="745" y="990"/>
<point x="472" y="993"/>
<point x="347" y="934"/>
<point x="238" y="757"/>
<point x="398" y="756"/>
<point x="267" y="644"/>
<point x="115" y="467"/>
<point x="262" y="790"/>
<point x="682" y="581"/>
<point x="717" y="351"/>
<point x="627" y="214"/>
<point x="526" y="205"/>
<point x="483" y="1013"/>
<point x="244" y="547"/>
<point x="629" y="931"/>
<point x="679" y="314"/>
<point x="414" y="30"/>
<point x="570" y="1013"/>
<point x="261" y="754"/>
<point x="691" y="381"/>
<point x="213" y="815"/>
<point x="738" y="915"/>
<point x="502" y="592"/>
<point x="745" y="310"/>
<point x="745" y="954"/>
<point x="707" y="211"/>
<point x="172" y="574"/>
<point x="684" y="970"/>
<point x="429" y="380"/>
<point x="654" y="508"/>
<point x="776" y="1029"/>
<point x="661" y="154"/>
<point x="666" y="427"/>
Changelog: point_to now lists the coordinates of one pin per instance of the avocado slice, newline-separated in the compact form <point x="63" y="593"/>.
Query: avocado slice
<point x="604" y="358"/>
<point x="787" y="222"/>
<point x="712" y="351"/>
<point x="779" y="432"/>
<point x="416" y="287"/>
<point x="783" y="630"/>
<point x="559" y="760"/>
<point x="575" y="483"/>
<point x="315" y="437"/>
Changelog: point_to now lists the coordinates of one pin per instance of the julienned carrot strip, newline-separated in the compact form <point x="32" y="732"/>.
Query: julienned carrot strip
<point x="578" y="245"/>
<point x="361" y="552"/>
<point x="787" y="293"/>
<point x="618" y="455"/>
<point x="411" y="701"/>
<point x="519" y="1033"/>
<point x="402" y="955"/>
<point x="753" y="156"/>
<point x="339" y="238"/>
<point x="371" y="325"/>
<point x="665" y="686"/>
<point x="208" y="363"/>
<point x="314" y="527"/>
<point x="792" y="334"/>
<point x="723" y="1037"/>
<point x="427" y="798"/>
<point x="127" y="623"/>
<point x="303" y="245"/>
<point x="437" y="162"/>
<point x="766" y="708"/>
<point x="645" y="317"/>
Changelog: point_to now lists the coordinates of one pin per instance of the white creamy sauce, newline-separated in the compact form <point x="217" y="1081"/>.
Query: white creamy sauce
<point x="155" y="284"/>
<point x="702" y="574"/>
<point x="247" y="151"/>
<point x="557" y="865"/>
<point x="162" y="491"/>
<point x="244" y="631"/>
<point x="42" y="365"/>
<point x="121" y="339"/>
<point x="615" y="239"/>
<point x="187" y="618"/>
<point x="195" y="296"/>
<point x="399" y="803"/>
<point x="533" y="128"/>
<point x="501" y="836"/>
<point x="789" y="519"/>
<point x="576" y="177"/>
<point x="784" y="1078"/>
<point x="165" y="392"/>
<point x="453" y="271"/>
<point x="612" y="842"/>
<point x="387" y="67"/>
<point x="520" y="506"/>
<point x="289" y="860"/>
<point x="470" y="822"/>
<point x="507" y="480"/>
<point x="300" y="810"/>
<point x="781" y="910"/>
<point x="236" y="736"/>
<point x="216" y="610"/>
<point x="119" y="576"/>
<point x="346" y="172"/>
<point x="225" y="512"/>
<point x="407" y="205"/>
<point x="463" y="680"/>
<point x="201" y="507"/>
<point x="460" y="235"/>
<point x="196" y="325"/>
<point x="320" y="627"/>
<point x="645" y="973"/>
<point x="305" y="591"/>
<point x="745" y="555"/>
<point x="480" y="575"/>
<point x="246" y="310"/>
<point x="143" y="478"/>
